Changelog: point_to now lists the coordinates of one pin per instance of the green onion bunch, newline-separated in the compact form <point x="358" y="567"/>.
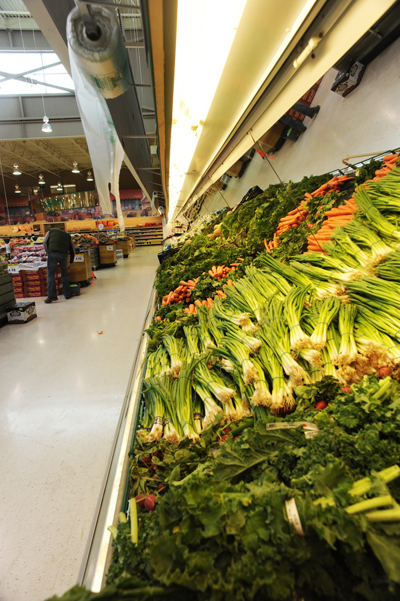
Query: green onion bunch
<point x="234" y="333"/>
<point x="211" y="408"/>
<point x="175" y="350"/>
<point x="213" y="383"/>
<point x="327" y="311"/>
<point x="192" y="340"/>
<point x="374" y="216"/>
<point x="362" y="234"/>
<point x="293" y="308"/>
<point x="348" y="348"/>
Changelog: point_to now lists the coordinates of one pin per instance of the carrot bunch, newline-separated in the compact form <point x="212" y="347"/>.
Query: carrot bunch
<point x="336" y="216"/>
<point x="345" y="213"/>
<point x="180" y="294"/>
<point x="332" y="186"/>
<point x="222" y="271"/>
<point x="198" y="303"/>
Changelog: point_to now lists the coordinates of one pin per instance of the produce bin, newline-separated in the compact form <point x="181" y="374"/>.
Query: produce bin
<point x="81" y="269"/>
<point x="108" y="254"/>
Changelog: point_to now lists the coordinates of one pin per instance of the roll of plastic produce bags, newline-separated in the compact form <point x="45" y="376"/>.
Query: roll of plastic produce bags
<point x="105" y="149"/>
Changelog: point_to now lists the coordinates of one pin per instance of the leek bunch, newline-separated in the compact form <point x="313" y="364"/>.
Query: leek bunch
<point x="294" y="305"/>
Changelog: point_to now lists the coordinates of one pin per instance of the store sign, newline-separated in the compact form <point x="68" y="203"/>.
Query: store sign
<point x="79" y="259"/>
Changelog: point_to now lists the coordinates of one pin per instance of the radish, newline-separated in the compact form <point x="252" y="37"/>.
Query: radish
<point x="146" y="460"/>
<point x="320" y="405"/>
<point x="385" y="371"/>
<point x="346" y="389"/>
<point x="154" y="467"/>
<point x="150" y="502"/>
<point x="162" y="488"/>
<point x="140" y="500"/>
<point x="226" y="431"/>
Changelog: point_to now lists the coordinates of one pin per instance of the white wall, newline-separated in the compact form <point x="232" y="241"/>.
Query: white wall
<point x="366" y="121"/>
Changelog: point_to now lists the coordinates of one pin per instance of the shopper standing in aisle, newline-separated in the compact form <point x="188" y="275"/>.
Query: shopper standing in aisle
<point x="57" y="245"/>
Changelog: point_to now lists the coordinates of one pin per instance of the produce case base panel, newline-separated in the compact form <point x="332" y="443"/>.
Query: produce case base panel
<point x="63" y="381"/>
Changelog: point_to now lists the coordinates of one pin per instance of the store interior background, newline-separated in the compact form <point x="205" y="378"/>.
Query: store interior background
<point x="55" y="445"/>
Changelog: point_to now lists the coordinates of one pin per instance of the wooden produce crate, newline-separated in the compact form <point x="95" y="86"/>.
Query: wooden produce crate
<point x="108" y="254"/>
<point x="125" y="246"/>
<point x="81" y="270"/>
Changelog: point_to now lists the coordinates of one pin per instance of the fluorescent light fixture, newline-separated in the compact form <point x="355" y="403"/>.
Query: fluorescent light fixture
<point x="41" y="181"/>
<point x="198" y="69"/>
<point x="17" y="190"/>
<point x="75" y="169"/>
<point x="89" y="176"/>
<point x="16" y="170"/>
<point x="59" y="187"/>
<point x="46" y="127"/>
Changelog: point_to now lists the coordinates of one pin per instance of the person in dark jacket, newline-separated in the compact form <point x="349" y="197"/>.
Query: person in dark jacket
<point x="57" y="245"/>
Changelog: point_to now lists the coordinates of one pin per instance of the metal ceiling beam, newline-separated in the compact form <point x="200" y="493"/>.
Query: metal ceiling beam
<point x="23" y="154"/>
<point x="36" y="81"/>
<point x="52" y="151"/>
<point x="16" y="75"/>
<point x="81" y="144"/>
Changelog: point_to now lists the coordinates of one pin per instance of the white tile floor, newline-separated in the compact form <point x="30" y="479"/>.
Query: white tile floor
<point x="366" y="121"/>
<point x="61" y="390"/>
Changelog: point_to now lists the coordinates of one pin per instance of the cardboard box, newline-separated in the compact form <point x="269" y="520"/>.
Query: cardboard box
<point x="348" y="79"/>
<point x="270" y="138"/>
<point x="108" y="254"/>
<point x="120" y="253"/>
<point x="235" y="169"/>
<point x="81" y="269"/>
<point x="21" y="312"/>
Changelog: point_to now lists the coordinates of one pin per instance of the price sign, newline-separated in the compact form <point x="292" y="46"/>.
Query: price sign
<point x="79" y="259"/>
<point x="110" y="248"/>
<point x="13" y="269"/>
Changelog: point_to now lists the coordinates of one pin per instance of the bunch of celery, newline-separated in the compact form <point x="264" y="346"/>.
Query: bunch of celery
<point x="348" y="348"/>
<point x="327" y="311"/>
<point x="294" y="305"/>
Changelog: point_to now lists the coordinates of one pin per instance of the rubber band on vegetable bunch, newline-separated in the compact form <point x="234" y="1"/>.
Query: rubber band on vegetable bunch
<point x="278" y="333"/>
<point x="293" y="308"/>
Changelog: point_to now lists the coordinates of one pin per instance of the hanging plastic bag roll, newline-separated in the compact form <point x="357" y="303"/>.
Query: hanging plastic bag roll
<point x="103" y="61"/>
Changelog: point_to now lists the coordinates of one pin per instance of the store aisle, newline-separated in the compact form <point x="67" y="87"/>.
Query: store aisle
<point x="62" y="384"/>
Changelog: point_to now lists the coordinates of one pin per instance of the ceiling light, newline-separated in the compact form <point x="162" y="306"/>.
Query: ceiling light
<point x="46" y="127"/>
<point x="41" y="181"/>
<point x="89" y="176"/>
<point x="17" y="190"/>
<point x="36" y="191"/>
<point x="75" y="169"/>
<point x="198" y="69"/>
<point x="16" y="170"/>
<point x="59" y="187"/>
